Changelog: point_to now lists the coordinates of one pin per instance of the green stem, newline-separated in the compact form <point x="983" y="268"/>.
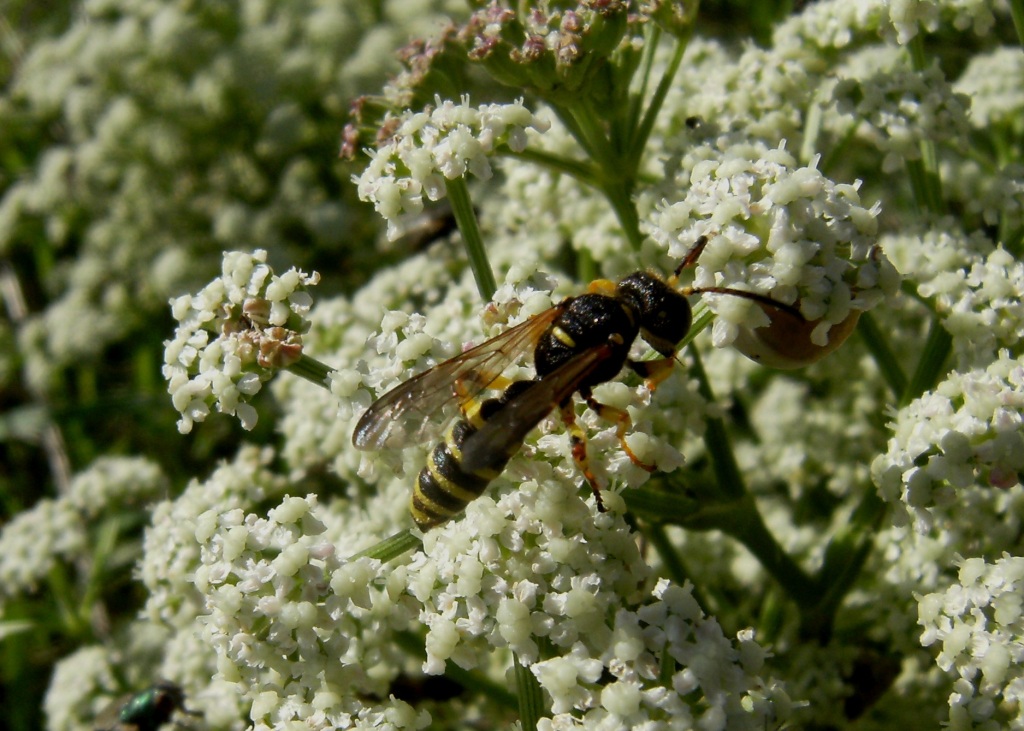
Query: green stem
<point x="670" y="557"/>
<point x="1017" y="13"/>
<point x="312" y="370"/>
<point x="612" y="180"/>
<point x="929" y="189"/>
<point x="619" y="196"/>
<point x="581" y="171"/>
<point x="392" y="547"/>
<point x="845" y="556"/>
<point x="595" y="141"/>
<point x="465" y="217"/>
<point x="412" y="643"/>
<point x="636" y="100"/>
<point x="885" y="358"/>
<point x="531" y="698"/>
<point x="716" y="439"/>
<point x="744" y="523"/>
<point x="737" y="514"/>
<point x="643" y="132"/>
<point x="932" y="363"/>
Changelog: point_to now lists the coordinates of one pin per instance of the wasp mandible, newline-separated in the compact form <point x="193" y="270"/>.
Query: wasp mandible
<point x="577" y="344"/>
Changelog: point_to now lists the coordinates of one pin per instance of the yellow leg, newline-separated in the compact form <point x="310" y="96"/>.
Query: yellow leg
<point x="623" y="425"/>
<point x="653" y="371"/>
<point x="578" y="441"/>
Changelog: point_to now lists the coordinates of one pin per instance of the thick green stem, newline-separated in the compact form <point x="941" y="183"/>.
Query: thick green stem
<point x="582" y="171"/>
<point x="931" y="365"/>
<point x="845" y="557"/>
<point x="531" y="698"/>
<point x="885" y="358"/>
<point x="612" y="179"/>
<point x="392" y="547"/>
<point x="312" y="370"/>
<point x="465" y="217"/>
<point x="744" y="523"/>
<point x="1017" y="12"/>
<point x="643" y="132"/>
<point x="737" y="515"/>
<point x="716" y="440"/>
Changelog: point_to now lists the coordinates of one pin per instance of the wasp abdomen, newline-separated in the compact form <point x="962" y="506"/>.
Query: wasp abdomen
<point x="444" y="488"/>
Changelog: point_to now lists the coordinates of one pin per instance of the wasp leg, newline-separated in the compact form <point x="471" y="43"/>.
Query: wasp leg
<point x="652" y="371"/>
<point x="623" y="425"/>
<point x="578" y="441"/>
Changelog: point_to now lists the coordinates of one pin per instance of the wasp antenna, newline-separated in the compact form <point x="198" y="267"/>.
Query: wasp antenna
<point x="753" y="296"/>
<point x="689" y="260"/>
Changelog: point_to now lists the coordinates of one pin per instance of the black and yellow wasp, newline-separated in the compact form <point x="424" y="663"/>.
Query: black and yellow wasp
<point x="580" y="342"/>
<point x="146" y="710"/>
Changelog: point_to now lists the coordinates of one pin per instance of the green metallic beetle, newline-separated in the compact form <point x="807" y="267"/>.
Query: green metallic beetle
<point x="146" y="710"/>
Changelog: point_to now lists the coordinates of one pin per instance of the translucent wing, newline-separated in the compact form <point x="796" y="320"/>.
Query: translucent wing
<point x="505" y="430"/>
<point x="109" y="718"/>
<point x="410" y="412"/>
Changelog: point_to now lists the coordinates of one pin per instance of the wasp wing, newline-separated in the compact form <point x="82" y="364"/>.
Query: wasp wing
<point x="409" y="413"/>
<point x="506" y="429"/>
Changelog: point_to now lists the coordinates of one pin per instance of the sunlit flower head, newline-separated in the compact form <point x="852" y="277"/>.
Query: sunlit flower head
<point x="233" y="335"/>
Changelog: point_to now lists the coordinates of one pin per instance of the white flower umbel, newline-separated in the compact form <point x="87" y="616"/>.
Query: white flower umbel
<point x="977" y="289"/>
<point x="79" y="680"/>
<point x="911" y="17"/>
<point x="305" y="632"/>
<point x="980" y="625"/>
<point x="896" y="109"/>
<point x="539" y="573"/>
<point x="35" y="540"/>
<point x="967" y="433"/>
<point x="233" y="335"/>
<point x="426" y="148"/>
<point x="58" y="530"/>
<point x="777" y="229"/>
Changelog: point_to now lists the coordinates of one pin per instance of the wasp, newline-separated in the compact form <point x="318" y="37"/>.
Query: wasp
<point x="146" y="710"/>
<point x="579" y="343"/>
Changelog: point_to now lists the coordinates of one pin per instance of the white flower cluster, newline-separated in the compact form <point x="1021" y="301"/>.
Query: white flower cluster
<point x="977" y="290"/>
<point x="35" y="540"/>
<point x="910" y="17"/>
<point x="232" y="335"/>
<point x="994" y="82"/>
<point x="78" y="680"/>
<point x="967" y="432"/>
<point x="111" y="482"/>
<point x="897" y="108"/>
<point x="428" y="147"/>
<point x="58" y="529"/>
<point x="980" y="625"/>
<point x="780" y="230"/>
<point x="217" y="135"/>
<point x="293" y="622"/>
<point x="170" y="550"/>
<point x="538" y="573"/>
<point x="985" y="310"/>
<point x="834" y="24"/>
